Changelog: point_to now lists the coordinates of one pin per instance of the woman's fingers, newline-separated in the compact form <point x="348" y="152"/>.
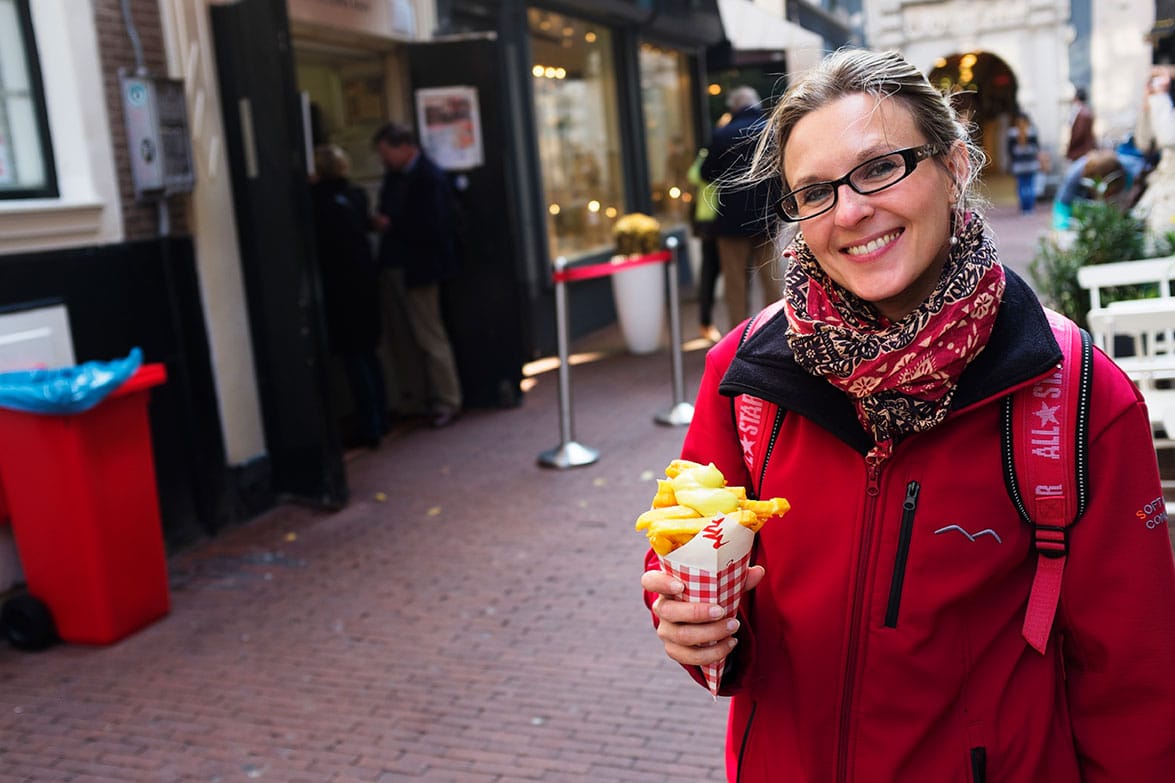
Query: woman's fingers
<point x="693" y="633"/>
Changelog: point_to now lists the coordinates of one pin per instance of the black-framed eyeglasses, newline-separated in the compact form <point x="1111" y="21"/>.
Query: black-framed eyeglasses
<point x="873" y="175"/>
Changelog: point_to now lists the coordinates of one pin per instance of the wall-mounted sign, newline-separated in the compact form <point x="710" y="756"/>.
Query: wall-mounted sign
<point x="449" y="124"/>
<point x="391" y="18"/>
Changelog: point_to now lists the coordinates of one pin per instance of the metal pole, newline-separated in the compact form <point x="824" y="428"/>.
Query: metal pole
<point x="682" y="412"/>
<point x="568" y="454"/>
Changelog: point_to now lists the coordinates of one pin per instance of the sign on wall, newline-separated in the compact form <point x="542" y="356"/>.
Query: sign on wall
<point x="393" y="18"/>
<point x="449" y="124"/>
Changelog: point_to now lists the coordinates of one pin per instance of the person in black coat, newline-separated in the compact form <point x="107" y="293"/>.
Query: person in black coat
<point x="417" y="224"/>
<point x="741" y="227"/>
<point x="348" y="275"/>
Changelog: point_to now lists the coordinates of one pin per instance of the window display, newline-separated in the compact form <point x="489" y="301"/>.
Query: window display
<point x="669" y="132"/>
<point x="578" y="132"/>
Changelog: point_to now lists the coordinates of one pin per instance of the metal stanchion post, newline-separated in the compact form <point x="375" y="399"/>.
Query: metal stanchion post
<point x="682" y="411"/>
<point x="569" y="453"/>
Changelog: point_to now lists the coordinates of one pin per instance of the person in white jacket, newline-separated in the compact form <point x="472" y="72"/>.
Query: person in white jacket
<point x="1157" y="123"/>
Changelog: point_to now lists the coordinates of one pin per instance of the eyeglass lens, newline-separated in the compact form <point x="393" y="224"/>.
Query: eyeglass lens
<point x="869" y="177"/>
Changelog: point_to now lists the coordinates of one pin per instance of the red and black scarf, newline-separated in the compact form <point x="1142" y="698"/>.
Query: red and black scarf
<point x="900" y="376"/>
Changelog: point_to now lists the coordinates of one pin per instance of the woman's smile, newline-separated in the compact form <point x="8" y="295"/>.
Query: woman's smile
<point x="873" y="245"/>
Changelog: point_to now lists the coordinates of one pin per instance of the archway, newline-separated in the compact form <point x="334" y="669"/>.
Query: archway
<point x="986" y="89"/>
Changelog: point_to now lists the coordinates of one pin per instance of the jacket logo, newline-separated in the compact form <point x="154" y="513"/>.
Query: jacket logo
<point x="971" y="537"/>
<point x="750" y="422"/>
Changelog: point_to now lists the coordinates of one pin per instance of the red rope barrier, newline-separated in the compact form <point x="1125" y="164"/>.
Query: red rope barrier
<point x="617" y="264"/>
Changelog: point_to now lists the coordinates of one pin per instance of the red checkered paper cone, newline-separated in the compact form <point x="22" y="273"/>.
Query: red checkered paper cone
<point x="713" y="568"/>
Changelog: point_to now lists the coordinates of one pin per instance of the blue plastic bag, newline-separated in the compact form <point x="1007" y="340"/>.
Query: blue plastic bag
<point x="66" y="389"/>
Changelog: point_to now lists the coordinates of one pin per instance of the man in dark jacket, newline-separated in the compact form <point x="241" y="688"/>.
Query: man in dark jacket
<point x="742" y="229"/>
<point x="417" y="234"/>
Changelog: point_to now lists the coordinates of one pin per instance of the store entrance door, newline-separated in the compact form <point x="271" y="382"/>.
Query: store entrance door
<point x="263" y="127"/>
<point x="486" y="309"/>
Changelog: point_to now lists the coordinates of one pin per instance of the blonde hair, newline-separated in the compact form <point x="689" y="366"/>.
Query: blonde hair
<point x="882" y="75"/>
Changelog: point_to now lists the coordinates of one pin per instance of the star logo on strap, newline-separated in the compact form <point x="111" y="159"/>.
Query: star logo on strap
<point x="748" y="445"/>
<point x="1048" y="414"/>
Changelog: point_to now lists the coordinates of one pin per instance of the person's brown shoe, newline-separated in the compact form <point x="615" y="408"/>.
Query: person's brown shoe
<point x="711" y="333"/>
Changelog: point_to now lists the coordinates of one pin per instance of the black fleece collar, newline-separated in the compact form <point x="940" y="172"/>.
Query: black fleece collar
<point x="1021" y="347"/>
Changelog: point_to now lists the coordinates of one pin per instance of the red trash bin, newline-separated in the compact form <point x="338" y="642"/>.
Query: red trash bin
<point x="81" y="496"/>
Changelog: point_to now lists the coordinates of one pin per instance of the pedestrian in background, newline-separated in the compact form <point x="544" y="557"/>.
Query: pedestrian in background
<point x="882" y="639"/>
<point x="1080" y="126"/>
<point x="417" y="224"/>
<point x="745" y="245"/>
<point x="705" y="210"/>
<point x="1157" y="126"/>
<point x="1024" y="160"/>
<point x="348" y="274"/>
<point x="1098" y="175"/>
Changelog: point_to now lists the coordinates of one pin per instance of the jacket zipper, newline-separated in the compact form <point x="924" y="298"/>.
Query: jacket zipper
<point x="979" y="765"/>
<point x="742" y="748"/>
<point x="872" y="490"/>
<point x="775" y="426"/>
<point x="909" y="506"/>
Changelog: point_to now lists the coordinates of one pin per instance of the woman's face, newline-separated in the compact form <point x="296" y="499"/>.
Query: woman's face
<point x="888" y="247"/>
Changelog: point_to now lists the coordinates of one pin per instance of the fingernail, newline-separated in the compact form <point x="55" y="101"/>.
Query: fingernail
<point x="732" y="625"/>
<point x="676" y="587"/>
<point x="717" y="611"/>
<point x="732" y="641"/>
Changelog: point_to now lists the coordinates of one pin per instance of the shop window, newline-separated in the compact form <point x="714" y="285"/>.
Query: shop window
<point x="669" y="132"/>
<point x="578" y="132"/>
<point x="26" y="160"/>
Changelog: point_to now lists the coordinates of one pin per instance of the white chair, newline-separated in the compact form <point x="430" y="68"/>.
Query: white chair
<point x="1147" y="270"/>
<point x="1149" y="326"/>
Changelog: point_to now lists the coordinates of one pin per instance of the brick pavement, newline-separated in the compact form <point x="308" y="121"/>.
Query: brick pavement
<point x="480" y="624"/>
<point x="468" y="617"/>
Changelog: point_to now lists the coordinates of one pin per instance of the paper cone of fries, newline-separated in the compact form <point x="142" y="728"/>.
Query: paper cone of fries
<point x="713" y="567"/>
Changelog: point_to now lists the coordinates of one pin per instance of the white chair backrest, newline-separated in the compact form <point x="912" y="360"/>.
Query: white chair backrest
<point x="1147" y="270"/>
<point x="1149" y="322"/>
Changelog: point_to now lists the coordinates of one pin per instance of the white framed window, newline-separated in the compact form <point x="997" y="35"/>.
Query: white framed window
<point x="85" y="207"/>
<point x="26" y="153"/>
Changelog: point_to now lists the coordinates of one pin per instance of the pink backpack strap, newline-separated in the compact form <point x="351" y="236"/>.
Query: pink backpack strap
<point x="1046" y="466"/>
<point x="754" y="418"/>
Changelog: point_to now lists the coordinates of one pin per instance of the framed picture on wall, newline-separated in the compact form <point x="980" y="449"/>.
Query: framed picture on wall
<point x="449" y="124"/>
<point x="363" y="100"/>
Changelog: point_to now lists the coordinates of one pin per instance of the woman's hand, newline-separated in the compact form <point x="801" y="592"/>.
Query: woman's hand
<point x="693" y="634"/>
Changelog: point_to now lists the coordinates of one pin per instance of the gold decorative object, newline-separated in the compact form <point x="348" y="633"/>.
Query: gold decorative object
<point x="637" y="234"/>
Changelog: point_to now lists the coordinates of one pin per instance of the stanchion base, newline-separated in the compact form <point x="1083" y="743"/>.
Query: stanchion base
<point x="568" y="455"/>
<point x="679" y="415"/>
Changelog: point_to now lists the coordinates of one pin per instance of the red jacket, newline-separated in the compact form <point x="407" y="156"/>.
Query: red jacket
<point x="873" y="654"/>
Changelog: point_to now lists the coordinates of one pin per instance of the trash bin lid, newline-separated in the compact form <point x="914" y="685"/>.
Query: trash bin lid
<point x="146" y="376"/>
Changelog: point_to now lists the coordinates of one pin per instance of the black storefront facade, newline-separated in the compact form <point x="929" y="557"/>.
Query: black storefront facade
<point x="588" y="111"/>
<point x="608" y="125"/>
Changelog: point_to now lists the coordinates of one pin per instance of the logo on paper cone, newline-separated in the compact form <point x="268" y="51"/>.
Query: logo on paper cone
<point x="713" y="532"/>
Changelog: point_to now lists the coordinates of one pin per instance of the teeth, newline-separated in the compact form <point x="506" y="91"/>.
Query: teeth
<point x="869" y="247"/>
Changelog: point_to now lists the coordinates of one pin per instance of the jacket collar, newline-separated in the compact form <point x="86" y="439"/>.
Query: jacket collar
<point x="1021" y="348"/>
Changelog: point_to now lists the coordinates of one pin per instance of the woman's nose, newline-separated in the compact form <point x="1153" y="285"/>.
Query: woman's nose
<point x="851" y="207"/>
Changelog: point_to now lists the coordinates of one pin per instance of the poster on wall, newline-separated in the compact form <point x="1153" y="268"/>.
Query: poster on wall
<point x="450" y="126"/>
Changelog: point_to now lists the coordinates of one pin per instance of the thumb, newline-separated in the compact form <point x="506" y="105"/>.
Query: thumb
<point x="755" y="575"/>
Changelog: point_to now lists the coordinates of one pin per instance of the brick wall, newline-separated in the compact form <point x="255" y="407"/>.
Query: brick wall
<point x="141" y="220"/>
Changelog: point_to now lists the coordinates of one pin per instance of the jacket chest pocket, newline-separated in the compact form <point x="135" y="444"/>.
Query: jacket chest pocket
<point x="946" y="549"/>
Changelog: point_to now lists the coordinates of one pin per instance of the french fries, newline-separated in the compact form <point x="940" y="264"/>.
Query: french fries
<point x="689" y="498"/>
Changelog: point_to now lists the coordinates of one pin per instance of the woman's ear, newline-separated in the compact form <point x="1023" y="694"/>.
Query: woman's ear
<point x="958" y="165"/>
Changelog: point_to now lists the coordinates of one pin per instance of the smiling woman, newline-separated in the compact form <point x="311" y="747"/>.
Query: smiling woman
<point x="872" y="396"/>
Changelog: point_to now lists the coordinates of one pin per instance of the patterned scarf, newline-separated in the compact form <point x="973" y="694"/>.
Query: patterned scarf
<point x="900" y="376"/>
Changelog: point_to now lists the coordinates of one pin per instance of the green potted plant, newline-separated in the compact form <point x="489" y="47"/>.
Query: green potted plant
<point x="1103" y="233"/>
